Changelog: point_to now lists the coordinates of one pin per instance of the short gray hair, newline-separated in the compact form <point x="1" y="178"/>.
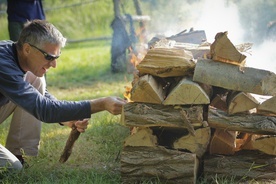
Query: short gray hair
<point x="40" y="32"/>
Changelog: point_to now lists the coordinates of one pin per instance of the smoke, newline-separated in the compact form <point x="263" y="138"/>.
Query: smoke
<point x="263" y="56"/>
<point x="245" y="21"/>
<point x="219" y="16"/>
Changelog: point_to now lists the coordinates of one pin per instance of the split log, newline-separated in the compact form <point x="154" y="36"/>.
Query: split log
<point x="148" y="89"/>
<point x="219" y="103"/>
<point x="198" y="51"/>
<point x="191" y="36"/>
<point x="268" y="107"/>
<point x="265" y="144"/>
<point x="250" y="123"/>
<point x="151" y="115"/>
<point x="167" y="62"/>
<point x="142" y="137"/>
<point x="195" y="144"/>
<point x="223" y="50"/>
<point x="223" y="142"/>
<point x="240" y="102"/>
<point x="170" y="166"/>
<point x="230" y="77"/>
<point x="187" y="92"/>
<point x="243" y="165"/>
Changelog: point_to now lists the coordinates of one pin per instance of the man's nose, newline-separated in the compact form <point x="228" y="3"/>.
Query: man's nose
<point x="53" y="63"/>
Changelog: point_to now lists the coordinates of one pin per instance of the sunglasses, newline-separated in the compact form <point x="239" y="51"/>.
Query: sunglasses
<point x="47" y="56"/>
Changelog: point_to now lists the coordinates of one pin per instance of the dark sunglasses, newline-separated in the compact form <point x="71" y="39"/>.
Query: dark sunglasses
<point x="47" y="56"/>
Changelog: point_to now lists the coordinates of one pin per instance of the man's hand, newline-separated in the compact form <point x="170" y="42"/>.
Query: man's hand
<point x="81" y="125"/>
<point x="113" y="105"/>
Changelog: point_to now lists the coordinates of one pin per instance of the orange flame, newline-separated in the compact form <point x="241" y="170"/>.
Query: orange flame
<point x="127" y="93"/>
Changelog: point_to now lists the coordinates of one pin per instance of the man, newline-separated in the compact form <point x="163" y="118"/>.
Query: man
<point x="23" y="92"/>
<point x="21" y="11"/>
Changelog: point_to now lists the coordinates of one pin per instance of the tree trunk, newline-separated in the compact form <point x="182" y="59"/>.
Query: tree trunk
<point x="116" y="8"/>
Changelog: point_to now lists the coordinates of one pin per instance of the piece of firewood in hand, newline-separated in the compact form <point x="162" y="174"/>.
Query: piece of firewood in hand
<point x="74" y="135"/>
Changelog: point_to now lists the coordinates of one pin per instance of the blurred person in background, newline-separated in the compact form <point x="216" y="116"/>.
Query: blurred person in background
<point x="23" y="92"/>
<point x="21" y="11"/>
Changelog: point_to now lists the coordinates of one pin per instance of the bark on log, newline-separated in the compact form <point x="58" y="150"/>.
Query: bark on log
<point x="186" y="92"/>
<point x="74" y="135"/>
<point x="195" y="144"/>
<point x="230" y="77"/>
<point x="150" y="115"/>
<point x="250" y="123"/>
<point x="223" y="50"/>
<point x="143" y="137"/>
<point x="170" y="166"/>
<point x="243" y="165"/>
<point x="167" y="62"/>
<point x="241" y="102"/>
<point x="148" y="89"/>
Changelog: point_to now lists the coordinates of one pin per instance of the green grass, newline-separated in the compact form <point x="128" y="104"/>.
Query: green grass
<point x="95" y="157"/>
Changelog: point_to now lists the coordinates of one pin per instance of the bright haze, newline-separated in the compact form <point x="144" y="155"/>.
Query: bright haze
<point x="245" y="21"/>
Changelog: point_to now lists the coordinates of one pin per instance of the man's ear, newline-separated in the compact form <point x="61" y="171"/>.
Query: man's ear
<point x="26" y="49"/>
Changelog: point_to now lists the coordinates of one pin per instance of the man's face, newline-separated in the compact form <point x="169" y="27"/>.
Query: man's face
<point x="39" y="60"/>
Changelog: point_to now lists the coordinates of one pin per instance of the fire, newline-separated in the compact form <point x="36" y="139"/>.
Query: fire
<point x="127" y="93"/>
<point x="135" y="57"/>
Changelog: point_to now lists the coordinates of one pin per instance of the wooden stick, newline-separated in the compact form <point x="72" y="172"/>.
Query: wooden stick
<point x="74" y="135"/>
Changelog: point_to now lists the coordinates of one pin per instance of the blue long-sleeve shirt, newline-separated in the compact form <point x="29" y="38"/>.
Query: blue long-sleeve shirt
<point x="23" y="10"/>
<point x="45" y="108"/>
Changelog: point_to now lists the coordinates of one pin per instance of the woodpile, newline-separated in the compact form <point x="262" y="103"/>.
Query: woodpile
<point x="198" y="111"/>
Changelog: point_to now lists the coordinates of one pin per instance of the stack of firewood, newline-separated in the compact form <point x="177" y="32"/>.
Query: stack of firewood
<point x="195" y="111"/>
